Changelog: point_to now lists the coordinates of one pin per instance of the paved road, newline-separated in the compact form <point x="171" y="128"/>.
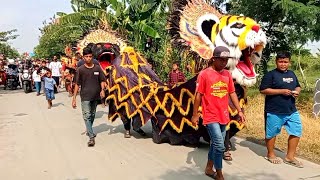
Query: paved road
<point x="41" y="144"/>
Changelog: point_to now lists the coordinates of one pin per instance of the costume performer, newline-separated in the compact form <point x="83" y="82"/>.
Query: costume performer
<point x="197" y="28"/>
<point x="136" y="92"/>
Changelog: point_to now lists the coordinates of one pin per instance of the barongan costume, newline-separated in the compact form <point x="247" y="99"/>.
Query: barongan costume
<point x="197" y="28"/>
<point x="136" y="92"/>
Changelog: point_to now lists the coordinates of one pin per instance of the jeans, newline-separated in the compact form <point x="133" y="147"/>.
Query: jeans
<point x="50" y="94"/>
<point x="88" y="113"/>
<point x="38" y="86"/>
<point x="217" y="133"/>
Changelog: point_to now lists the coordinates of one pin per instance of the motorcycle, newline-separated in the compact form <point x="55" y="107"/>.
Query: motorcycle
<point x="12" y="80"/>
<point x="26" y="81"/>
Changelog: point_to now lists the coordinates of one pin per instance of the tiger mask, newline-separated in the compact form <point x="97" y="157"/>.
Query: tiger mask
<point x="197" y="27"/>
<point x="245" y="40"/>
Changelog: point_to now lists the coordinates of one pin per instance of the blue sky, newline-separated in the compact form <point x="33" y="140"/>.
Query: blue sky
<point x="27" y="16"/>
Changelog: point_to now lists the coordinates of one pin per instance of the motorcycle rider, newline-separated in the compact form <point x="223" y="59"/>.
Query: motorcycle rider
<point x="12" y="70"/>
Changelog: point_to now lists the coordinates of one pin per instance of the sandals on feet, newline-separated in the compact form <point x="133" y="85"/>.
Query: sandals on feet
<point x="127" y="134"/>
<point x="213" y="176"/>
<point x="227" y="156"/>
<point x="294" y="163"/>
<point x="91" y="142"/>
<point x="273" y="160"/>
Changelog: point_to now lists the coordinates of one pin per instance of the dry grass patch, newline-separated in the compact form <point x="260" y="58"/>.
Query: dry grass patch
<point x="309" y="146"/>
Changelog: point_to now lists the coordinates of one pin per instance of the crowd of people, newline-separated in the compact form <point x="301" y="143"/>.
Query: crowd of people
<point x="280" y="86"/>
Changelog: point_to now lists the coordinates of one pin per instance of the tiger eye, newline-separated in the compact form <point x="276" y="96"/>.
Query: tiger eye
<point x="238" y="25"/>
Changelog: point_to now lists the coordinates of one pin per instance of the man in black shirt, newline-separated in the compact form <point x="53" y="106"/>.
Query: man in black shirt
<point x="281" y="87"/>
<point x="91" y="79"/>
<point x="82" y="62"/>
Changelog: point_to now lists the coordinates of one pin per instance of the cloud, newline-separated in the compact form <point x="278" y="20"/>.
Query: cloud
<point x="27" y="17"/>
<point x="313" y="46"/>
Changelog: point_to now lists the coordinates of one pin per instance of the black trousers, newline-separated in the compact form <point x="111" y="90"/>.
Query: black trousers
<point x="56" y="78"/>
<point x="127" y="123"/>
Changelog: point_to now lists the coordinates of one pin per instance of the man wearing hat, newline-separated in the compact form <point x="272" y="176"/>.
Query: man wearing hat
<point x="214" y="86"/>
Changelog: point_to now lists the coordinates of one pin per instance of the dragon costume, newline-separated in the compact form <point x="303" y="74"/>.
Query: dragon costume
<point x="136" y="92"/>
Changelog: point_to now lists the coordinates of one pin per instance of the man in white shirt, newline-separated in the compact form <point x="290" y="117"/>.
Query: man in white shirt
<point x="55" y="67"/>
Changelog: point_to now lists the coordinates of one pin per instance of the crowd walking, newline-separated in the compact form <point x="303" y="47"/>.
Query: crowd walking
<point x="214" y="89"/>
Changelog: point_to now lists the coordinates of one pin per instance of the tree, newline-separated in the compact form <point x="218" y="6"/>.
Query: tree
<point x="133" y="19"/>
<point x="8" y="35"/>
<point x="55" y="36"/>
<point x="8" y="51"/>
<point x="5" y="48"/>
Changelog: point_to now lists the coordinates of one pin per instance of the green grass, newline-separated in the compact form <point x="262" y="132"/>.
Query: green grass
<point x="305" y="100"/>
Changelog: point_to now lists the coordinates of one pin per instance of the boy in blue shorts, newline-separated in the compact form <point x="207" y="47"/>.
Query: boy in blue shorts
<point x="281" y="87"/>
<point x="49" y="84"/>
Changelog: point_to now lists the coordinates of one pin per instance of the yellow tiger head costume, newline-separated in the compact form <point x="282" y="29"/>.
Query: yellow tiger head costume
<point x="197" y="27"/>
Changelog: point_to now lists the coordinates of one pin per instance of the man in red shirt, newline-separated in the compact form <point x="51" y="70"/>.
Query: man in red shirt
<point x="214" y="86"/>
<point x="176" y="76"/>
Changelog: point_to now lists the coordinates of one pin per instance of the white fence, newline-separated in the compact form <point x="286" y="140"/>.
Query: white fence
<point x="316" y="106"/>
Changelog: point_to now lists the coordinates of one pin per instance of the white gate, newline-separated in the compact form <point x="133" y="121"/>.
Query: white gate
<point x="316" y="106"/>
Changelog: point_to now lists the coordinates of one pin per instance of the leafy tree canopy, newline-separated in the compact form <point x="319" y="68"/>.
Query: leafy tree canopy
<point x="5" y="48"/>
<point x="8" y="35"/>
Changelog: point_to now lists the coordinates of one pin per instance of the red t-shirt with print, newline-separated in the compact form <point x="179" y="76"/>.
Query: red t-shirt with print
<point x="215" y="88"/>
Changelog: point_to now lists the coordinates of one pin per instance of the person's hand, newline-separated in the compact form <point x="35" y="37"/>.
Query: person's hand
<point x="74" y="103"/>
<point x="102" y="94"/>
<point x="286" y="92"/>
<point x="242" y="117"/>
<point x="195" y="119"/>
<point x="295" y="93"/>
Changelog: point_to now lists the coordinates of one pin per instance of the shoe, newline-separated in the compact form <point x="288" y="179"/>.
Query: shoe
<point x="127" y="134"/>
<point x="141" y="132"/>
<point x="91" y="142"/>
<point x="38" y="94"/>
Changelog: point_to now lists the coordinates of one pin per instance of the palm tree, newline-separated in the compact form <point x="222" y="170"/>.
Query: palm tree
<point x="133" y="19"/>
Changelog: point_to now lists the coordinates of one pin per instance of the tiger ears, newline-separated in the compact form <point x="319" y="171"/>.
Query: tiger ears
<point x="204" y="46"/>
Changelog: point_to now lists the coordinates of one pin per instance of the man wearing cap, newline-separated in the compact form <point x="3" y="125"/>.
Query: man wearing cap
<point x="214" y="86"/>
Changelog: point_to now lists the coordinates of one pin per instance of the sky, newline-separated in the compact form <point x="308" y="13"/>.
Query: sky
<point x="27" y="16"/>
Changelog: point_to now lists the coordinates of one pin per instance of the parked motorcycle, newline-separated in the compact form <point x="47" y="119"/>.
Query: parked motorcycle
<point x="26" y="81"/>
<point x="12" y="81"/>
